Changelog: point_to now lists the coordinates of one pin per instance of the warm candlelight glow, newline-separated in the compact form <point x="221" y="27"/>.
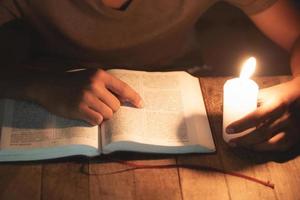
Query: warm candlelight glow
<point x="240" y="98"/>
<point x="248" y="68"/>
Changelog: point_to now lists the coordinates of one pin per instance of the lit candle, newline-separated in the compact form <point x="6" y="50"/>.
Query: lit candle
<point x="240" y="98"/>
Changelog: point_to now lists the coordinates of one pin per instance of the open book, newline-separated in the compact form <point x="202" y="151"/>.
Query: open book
<point x="173" y="120"/>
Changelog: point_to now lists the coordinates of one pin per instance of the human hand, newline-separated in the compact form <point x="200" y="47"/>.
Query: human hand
<point x="91" y="95"/>
<point x="276" y="120"/>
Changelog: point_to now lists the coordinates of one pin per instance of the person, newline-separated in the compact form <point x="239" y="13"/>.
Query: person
<point x="53" y="38"/>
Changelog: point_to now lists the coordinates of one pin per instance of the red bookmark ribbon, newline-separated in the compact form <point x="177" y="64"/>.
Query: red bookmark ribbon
<point x="135" y="166"/>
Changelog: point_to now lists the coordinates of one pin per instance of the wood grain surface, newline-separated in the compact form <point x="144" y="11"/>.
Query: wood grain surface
<point x="98" y="178"/>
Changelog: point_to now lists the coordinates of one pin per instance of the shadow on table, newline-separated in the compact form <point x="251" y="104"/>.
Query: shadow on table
<point x="117" y="156"/>
<point x="263" y="157"/>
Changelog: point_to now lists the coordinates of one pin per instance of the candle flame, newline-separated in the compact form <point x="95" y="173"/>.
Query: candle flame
<point x="248" y="68"/>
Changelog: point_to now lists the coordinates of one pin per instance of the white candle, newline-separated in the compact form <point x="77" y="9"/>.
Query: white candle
<point x="240" y="98"/>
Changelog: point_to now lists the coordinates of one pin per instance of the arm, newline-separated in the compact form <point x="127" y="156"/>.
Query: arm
<point x="92" y="95"/>
<point x="276" y="120"/>
<point x="281" y="23"/>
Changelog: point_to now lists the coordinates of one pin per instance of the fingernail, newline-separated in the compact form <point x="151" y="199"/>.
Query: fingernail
<point x="230" y="130"/>
<point x="141" y="104"/>
<point x="99" y="121"/>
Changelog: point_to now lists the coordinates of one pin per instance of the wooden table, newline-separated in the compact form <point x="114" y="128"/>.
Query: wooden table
<point x="63" y="179"/>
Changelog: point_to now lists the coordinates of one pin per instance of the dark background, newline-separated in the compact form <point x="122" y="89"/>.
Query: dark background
<point x="226" y="37"/>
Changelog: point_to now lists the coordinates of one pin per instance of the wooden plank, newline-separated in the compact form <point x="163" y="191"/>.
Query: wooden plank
<point x="245" y="162"/>
<point x="20" y="181"/>
<point x="240" y="188"/>
<point x="65" y="180"/>
<point x="105" y="184"/>
<point x="286" y="178"/>
<point x="284" y="167"/>
<point x="135" y="184"/>
<point x="157" y="183"/>
<point x="197" y="183"/>
<point x="240" y="161"/>
<point x="257" y="165"/>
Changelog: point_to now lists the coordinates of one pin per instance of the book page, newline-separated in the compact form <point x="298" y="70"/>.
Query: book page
<point x="169" y="112"/>
<point x="26" y="125"/>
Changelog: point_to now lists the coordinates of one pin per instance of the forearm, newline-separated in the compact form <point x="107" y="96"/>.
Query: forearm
<point x="280" y="23"/>
<point x="295" y="58"/>
<point x="293" y="93"/>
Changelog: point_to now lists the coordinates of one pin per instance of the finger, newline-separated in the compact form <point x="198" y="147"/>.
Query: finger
<point x="270" y="111"/>
<point x="256" y="136"/>
<point x="276" y="143"/>
<point x="262" y="133"/>
<point x="94" y="103"/>
<point x="90" y="116"/>
<point x="124" y="91"/>
<point x="263" y="95"/>
<point x="106" y="97"/>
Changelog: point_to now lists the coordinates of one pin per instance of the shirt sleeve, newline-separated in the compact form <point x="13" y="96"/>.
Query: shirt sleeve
<point x="251" y="7"/>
